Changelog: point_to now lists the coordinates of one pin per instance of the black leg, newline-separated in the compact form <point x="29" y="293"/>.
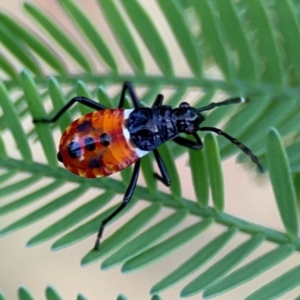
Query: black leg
<point x="159" y="100"/>
<point x="164" y="178"/>
<point x="126" y="200"/>
<point x="188" y="143"/>
<point x="85" y="101"/>
<point x="226" y="102"/>
<point x="236" y="142"/>
<point x="128" y="86"/>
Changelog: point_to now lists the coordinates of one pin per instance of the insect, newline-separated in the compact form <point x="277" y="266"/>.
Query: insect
<point x="106" y="141"/>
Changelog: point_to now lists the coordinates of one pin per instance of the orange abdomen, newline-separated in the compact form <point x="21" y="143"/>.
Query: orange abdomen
<point x="95" y="145"/>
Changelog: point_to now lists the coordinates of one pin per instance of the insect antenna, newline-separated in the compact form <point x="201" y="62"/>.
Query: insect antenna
<point x="245" y="149"/>
<point x="226" y="102"/>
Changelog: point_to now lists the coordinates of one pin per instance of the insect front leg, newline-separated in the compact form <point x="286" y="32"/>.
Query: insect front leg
<point x="83" y="100"/>
<point x="126" y="200"/>
<point x="128" y="86"/>
<point x="159" y="100"/>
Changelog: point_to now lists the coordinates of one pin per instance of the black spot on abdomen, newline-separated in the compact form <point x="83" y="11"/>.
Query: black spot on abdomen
<point x="89" y="144"/>
<point x="85" y="126"/>
<point x="59" y="157"/>
<point x="105" y="139"/>
<point x="95" y="163"/>
<point x="74" y="149"/>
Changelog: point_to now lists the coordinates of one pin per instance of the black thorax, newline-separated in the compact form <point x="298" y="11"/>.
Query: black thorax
<point x="151" y="127"/>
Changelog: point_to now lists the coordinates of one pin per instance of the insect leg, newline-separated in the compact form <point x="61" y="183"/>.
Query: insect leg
<point x="188" y="143"/>
<point x="164" y="178"/>
<point x="126" y="200"/>
<point x="245" y="149"/>
<point x="85" y="101"/>
<point x="128" y="86"/>
<point x="159" y="100"/>
<point x="226" y="102"/>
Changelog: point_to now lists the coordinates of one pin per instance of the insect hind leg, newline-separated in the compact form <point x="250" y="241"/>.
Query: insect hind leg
<point x="82" y="100"/>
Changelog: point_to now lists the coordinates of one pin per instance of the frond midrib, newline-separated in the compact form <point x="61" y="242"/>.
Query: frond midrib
<point x="164" y="198"/>
<point x="177" y="81"/>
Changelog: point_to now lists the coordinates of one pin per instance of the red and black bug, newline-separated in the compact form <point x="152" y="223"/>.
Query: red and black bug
<point x="106" y="141"/>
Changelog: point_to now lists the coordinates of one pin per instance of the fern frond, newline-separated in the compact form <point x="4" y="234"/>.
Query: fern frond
<point x="252" y="47"/>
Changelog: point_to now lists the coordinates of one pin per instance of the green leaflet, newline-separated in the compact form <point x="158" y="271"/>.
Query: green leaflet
<point x="249" y="271"/>
<point x="24" y="34"/>
<point x="52" y="294"/>
<point x="282" y="183"/>
<point x="90" y="32"/>
<point x="61" y="37"/>
<point x="2" y="297"/>
<point x="279" y="286"/>
<point x="165" y="247"/>
<point x="150" y="35"/>
<point x="212" y="32"/>
<point x="122" y="235"/>
<point x="195" y="262"/>
<point x="173" y="13"/>
<point x="24" y="294"/>
<point x="122" y="297"/>
<point x="214" y="171"/>
<point x="144" y="240"/>
<point x="122" y="32"/>
<point x="222" y="266"/>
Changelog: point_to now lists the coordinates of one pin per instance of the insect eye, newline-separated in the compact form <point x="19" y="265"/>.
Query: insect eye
<point x="184" y="105"/>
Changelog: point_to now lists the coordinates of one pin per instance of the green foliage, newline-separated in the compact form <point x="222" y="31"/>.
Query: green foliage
<point x="253" y="47"/>
<point x="50" y="294"/>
